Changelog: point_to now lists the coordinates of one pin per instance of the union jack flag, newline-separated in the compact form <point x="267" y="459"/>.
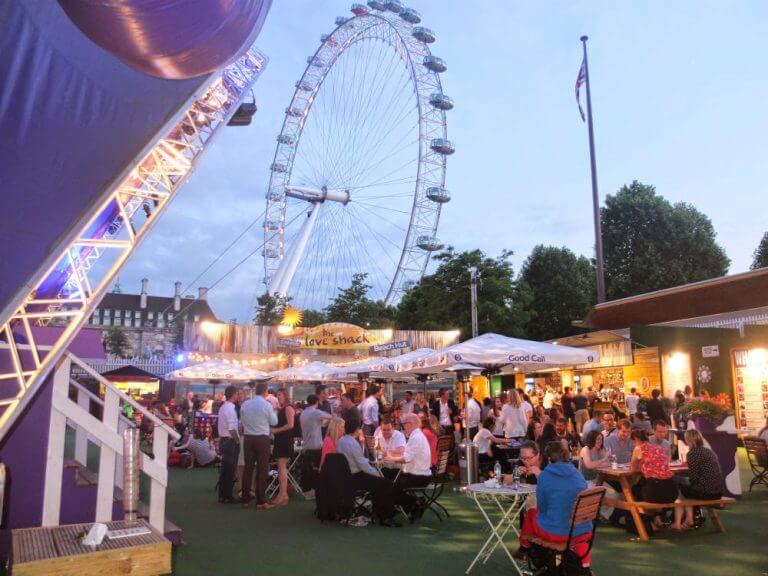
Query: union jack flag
<point x="582" y="77"/>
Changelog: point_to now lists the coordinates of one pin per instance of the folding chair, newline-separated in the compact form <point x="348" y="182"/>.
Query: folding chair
<point x="757" y="454"/>
<point x="558" y="557"/>
<point x="336" y="499"/>
<point x="428" y="495"/>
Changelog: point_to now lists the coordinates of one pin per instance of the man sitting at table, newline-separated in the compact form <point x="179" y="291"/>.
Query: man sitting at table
<point x="390" y="441"/>
<point x="620" y="444"/>
<point x="594" y="423"/>
<point x="609" y="425"/>
<point x="416" y="459"/>
<point x="661" y="437"/>
<point x="558" y="487"/>
<point x="365" y="476"/>
<point x="562" y="433"/>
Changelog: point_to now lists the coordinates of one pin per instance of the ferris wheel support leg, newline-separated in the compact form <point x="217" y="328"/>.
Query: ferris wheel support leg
<point x="290" y="264"/>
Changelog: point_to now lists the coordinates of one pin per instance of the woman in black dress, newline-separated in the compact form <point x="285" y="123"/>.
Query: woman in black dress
<point x="282" y="449"/>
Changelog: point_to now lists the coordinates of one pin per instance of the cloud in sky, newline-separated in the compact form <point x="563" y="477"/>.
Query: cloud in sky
<point x="679" y="92"/>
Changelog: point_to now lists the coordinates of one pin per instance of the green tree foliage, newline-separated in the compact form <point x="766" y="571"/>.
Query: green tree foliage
<point x="760" y="257"/>
<point x="650" y="244"/>
<point x="116" y="342"/>
<point x="269" y="309"/>
<point x="562" y="288"/>
<point x="353" y="305"/>
<point x="441" y="301"/>
<point x="311" y="318"/>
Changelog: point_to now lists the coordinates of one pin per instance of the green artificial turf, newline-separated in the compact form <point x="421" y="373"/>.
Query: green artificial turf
<point x="229" y="540"/>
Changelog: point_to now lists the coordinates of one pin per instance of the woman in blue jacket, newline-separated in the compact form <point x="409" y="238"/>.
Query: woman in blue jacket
<point x="556" y="491"/>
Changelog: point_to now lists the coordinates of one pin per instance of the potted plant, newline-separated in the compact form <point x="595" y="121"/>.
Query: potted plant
<point x="707" y="413"/>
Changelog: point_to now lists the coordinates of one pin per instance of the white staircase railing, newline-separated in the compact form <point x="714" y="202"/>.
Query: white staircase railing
<point x="105" y="432"/>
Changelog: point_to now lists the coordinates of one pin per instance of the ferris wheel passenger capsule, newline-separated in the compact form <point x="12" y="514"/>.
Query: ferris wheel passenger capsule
<point x="326" y="38"/>
<point x="442" y="146"/>
<point x="393" y="6"/>
<point x="435" y="64"/>
<point x="279" y="168"/>
<point x="270" y="252"/>
<point x="341" y="20"/>
<point x="304" y="86"/>
<point x="295" y="112"/>
<point x="359" y="9"/>
<point x="376" y="4"/>
<point x="441" y="101"/>
<point x="410" y="15"/>
<point x="423" y="35"/>
<point x="272" y="225"/>
<point x="274" y="196"/>
<point x="286" y="139"/>
<point x="316" y="62"/>
<point x="438" y="194"/>
<point x="428" y="243"/>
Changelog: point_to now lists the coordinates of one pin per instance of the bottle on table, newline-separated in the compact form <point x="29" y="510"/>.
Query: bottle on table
<point x="497" y="473"/>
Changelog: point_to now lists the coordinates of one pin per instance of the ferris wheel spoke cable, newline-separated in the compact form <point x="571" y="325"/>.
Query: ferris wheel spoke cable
<point x="379" y="237"/>
<point x="364" y="256"/>
<point x="377" y="215"/>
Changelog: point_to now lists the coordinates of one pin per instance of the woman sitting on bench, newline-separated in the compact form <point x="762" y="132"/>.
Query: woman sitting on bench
<point x="657" y="484"/>
<point x="705" y="478"/>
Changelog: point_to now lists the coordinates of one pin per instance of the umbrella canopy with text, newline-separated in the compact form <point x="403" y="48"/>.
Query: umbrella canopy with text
<point x="319" y="371"/>
<point x="495" y="351"/>
<point x="217" y="370"/>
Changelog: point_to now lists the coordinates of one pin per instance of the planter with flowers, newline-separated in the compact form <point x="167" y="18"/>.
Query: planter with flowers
<point x="708" y="414"/>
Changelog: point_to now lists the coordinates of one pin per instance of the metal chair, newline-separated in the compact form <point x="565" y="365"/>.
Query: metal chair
<point x="428" y="495"/>
<point x="757" y="455"/>
<point x="558" y="557"/>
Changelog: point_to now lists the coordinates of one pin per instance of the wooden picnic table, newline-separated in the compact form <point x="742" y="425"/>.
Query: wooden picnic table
<point x="626" y="478"/>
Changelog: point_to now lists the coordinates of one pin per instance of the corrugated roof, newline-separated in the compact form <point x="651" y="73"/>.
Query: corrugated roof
<point x="723" y="295"/>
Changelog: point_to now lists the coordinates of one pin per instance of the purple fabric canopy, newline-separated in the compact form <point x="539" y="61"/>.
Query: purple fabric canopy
<point x="170" y="38"/>
<point x="72" y="118"/>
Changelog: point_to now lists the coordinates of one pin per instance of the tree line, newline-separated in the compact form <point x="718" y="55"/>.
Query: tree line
<point x="648" y="243"/>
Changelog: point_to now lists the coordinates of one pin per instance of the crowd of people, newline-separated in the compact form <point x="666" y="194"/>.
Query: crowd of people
<point x="549" y="432"/>
<point x="268" y="427"/>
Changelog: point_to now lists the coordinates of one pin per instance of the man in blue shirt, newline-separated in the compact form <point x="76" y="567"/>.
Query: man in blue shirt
<point x="257" y="415"/>
<point x="593" y="423"/>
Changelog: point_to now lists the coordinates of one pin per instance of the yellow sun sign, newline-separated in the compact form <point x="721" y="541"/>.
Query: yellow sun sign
<point x="291" y="317"/>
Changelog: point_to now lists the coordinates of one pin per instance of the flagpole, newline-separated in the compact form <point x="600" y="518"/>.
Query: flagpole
<point x="595" y="194"/>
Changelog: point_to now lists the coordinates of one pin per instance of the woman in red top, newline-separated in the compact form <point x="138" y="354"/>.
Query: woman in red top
<point x="657" y="483"/>
<point x="428" y="427"/>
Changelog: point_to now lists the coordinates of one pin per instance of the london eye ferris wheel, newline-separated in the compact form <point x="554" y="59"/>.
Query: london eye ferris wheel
<point x="358" y="177"/>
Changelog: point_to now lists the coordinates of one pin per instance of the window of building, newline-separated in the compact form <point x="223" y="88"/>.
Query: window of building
<point x="118" y="314"/>
<point x="150" y="315"/>
<point x="197" y="318"/>
<point x="160" y="321"/>
<point x="127" y="321"/>
<point x="170" y="318"/>
<point x="95" y="319"/>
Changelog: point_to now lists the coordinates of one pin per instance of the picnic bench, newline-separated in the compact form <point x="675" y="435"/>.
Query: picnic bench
<point x="623" y="475"/>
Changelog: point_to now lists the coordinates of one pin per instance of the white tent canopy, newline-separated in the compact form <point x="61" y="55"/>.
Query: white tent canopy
<point x="319" y="371"/>
<point x="496" y="351"/>
<point x="394" y="367"/>
<point x="217" y="370"/>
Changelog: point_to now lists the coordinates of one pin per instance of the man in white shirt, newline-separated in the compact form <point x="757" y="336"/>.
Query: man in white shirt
<point x="406" y="406"/>
<point x="369" y="408"/>
<point x="257" y="415"/>
<point x="312" y="420"/>
<point x="445" y="410"/>
<point x="390" y="441"/>
<point x="416" y="459"/>
<point x="474" y="414"/>
<point x="549" y="398"/>
<point x="632" y="401"/>
<point x="229" y="446"/>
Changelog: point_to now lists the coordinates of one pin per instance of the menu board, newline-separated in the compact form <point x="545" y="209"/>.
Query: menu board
<point x="750" y="369"/>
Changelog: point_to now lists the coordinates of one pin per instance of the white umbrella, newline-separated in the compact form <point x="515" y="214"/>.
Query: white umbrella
<point x="217" y="370"/>
<point x="361" y="367"/>
<point x="313" y="371"/>
<point x="492" y="351"/>
<point x="393" y="367"/>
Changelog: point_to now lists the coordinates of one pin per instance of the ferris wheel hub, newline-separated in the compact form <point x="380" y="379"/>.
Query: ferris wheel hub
<point x="322" y="194"/>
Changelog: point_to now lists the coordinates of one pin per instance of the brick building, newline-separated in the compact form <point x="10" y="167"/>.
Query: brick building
<point x="149" y="322"/>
